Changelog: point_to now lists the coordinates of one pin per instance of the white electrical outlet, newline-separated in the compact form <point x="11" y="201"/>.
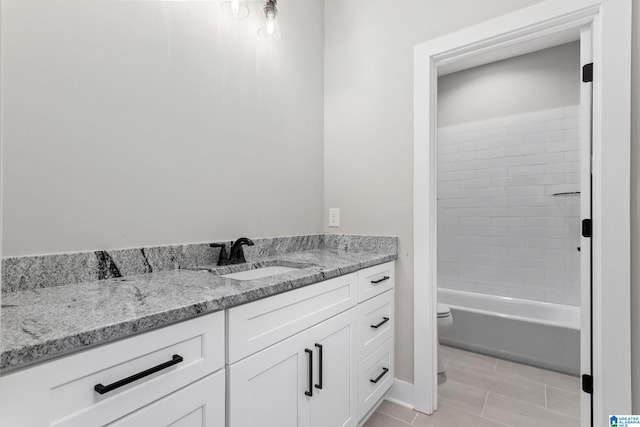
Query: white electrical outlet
<point x="334" y="217"/>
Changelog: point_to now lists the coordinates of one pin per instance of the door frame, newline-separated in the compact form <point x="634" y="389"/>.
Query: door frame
<point x="506" y="36"/>
<point x="586" y="190"/>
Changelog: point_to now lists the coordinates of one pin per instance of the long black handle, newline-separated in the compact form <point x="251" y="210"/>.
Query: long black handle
<point x="384" y="371"/>
<point x="385" y="320"/>
<point x="385" y="278"/>
<point x="309" y="391"/>
<point x="319" y="385"/>
<point x="102" y="389"/>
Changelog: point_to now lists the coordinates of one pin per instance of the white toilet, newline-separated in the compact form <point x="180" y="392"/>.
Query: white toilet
<point x="445" y="321"/>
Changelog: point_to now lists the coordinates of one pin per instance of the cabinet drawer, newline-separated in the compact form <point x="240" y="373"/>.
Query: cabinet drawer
<point x="376" y="322"/>
<point x="377" y="367"/>
<point x="201" y="404"/>
<point x="375" y="280"/>
<point x="259" y="324"/>
<point x="66" y="385"/>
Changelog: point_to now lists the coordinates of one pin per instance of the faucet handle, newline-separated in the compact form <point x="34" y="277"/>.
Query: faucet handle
<point x="222" y="259"/>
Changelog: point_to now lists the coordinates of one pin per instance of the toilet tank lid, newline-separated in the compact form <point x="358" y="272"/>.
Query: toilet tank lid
<point x="443" y="309"/>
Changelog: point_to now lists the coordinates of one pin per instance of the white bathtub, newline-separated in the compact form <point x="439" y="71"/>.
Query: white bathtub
<point x="536" y="333"/>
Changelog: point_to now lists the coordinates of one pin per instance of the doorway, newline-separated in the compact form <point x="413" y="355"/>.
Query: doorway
<point x="603" y="30"/>
<point x="508" y="225"/>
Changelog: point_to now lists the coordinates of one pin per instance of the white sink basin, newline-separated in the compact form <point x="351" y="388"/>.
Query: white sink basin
<point x="259" y="272"/>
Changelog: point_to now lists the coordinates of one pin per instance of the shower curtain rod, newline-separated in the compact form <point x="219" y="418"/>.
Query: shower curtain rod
<point x="566" y="193"/>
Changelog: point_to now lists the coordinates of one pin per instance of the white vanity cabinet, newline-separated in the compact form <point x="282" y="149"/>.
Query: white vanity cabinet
<point x="309" y="357"/>
<point x="62" y="392"/>
<point x="317" y="356"/>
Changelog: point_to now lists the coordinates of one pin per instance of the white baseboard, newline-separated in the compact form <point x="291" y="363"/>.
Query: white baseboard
<point x="401" y="393"/>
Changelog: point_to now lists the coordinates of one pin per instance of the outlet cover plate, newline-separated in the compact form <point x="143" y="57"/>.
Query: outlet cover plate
<point x="334" y="217"/>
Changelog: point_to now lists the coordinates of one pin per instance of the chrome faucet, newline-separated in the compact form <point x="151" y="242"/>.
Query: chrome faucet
<point x="236" y="254"/>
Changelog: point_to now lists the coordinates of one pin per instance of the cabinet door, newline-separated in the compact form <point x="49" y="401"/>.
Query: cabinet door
<point x="334" y="400"/>
<point x="201" y="404"/>
<point x="267" y="388"/>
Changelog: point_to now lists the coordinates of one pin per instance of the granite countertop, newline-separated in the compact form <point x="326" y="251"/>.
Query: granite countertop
<point x="40" y="324"/>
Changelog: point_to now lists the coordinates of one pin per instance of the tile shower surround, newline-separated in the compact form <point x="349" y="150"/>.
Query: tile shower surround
<point x="500" y="230"/>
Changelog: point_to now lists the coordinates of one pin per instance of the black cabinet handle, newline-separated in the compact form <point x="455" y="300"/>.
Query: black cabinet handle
<point x="384" y="371"/>
<point x="385" y="278"/>
<point x="319" y="385"/>
<point x="385" y="320"/>
<point x="309" y="391"/>
<point x="102" y="389"/>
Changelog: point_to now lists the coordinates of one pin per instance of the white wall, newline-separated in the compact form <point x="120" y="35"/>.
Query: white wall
<point x="536" y="81"/>
<point x="500" y="229"/>
<point x="635" y="210"/>
<point x="368" y="122"/>
<point x="145" y="123"/>
<point x="1" y="165"/>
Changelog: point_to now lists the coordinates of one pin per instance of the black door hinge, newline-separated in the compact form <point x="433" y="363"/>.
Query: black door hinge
<point x="586" y="228"/>
<point x="587" y="383"/>
<point x="587" y="73"/>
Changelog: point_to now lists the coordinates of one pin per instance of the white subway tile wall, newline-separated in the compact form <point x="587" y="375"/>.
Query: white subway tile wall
<point x="500" y="229"/>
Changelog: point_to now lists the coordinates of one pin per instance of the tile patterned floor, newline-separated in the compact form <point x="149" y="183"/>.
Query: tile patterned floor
<point x="483" y="391"/>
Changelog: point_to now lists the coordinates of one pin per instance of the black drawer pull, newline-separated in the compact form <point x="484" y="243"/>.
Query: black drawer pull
<point x="385" y="278"/>
<point x="319" y="385"/>
<point x="385" y="320"/>
<point x="309" y="391"/>
<point x="102" y="389"/>
<point x="384" y="371"/>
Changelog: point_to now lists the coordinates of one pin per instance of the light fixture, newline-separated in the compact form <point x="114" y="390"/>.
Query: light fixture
<point x="270" y="31"/>
<point x="235" y="9"/>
